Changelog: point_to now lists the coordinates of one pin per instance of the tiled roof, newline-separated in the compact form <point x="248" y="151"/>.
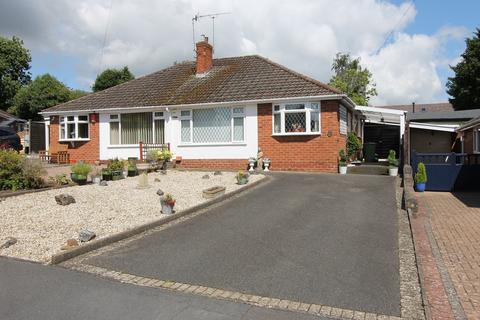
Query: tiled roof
<point x="230" y="79"/>
<point x="422" y="107"/>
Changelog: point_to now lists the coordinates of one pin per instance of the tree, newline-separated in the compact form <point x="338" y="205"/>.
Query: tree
<point x="112" y="77"/>
<point x="14" y="65"/>
<point x="43" y="92"/>
<point x="352" y="79"/>
<point x="464" y="87"/>
<point x="75" y="94"/>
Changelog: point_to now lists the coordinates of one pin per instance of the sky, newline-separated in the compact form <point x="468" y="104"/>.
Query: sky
<point x="407" y="45"/>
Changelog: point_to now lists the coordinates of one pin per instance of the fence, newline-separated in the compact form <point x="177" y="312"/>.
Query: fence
<point x="145" y="148"/>
<point x="449" y="171"/>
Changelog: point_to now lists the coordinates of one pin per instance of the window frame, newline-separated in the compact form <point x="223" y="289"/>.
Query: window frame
<point x="281" y="109"/>
<point x="119" y="120"/>
<point x="476" y="140"/>
<point x="232" y="141"/>
<point x="63" y="119"/>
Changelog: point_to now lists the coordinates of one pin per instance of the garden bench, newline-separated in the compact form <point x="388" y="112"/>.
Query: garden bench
<point x="58" y="153"/>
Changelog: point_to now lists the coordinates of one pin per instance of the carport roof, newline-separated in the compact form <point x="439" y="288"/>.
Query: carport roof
<point x="460" y="115"/>
<point x="381" y="115"/>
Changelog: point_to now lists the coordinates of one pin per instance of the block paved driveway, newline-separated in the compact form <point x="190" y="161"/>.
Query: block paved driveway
<point x="314" y="238"/>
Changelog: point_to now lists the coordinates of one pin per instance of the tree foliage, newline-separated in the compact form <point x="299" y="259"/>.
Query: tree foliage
<point x="43" y="92"/>
<point x="464" y="87"/>
<point x="352" y="79"/>
<point x="112" y="77"/>
<point x="14" y="65"/>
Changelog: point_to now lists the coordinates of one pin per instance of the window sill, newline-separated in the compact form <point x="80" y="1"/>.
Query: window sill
<point x="296" y="134"/>
<point x="114" y="146"/>
<point x="212" y="144"/>
<point x="73" y="140"/>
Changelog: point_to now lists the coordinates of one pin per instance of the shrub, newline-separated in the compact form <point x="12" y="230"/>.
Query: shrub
<point x="60" y="179"/>
<point x="81" y="168"/>
<point x="18" y="172"/>
<point x="354" y="145"/>
<point x="392" y="159"/>
<point x="343" y="158"/>
<point x="421" y="175"/>
<point x="159" y="155"/>
<point x="115" y="164"/>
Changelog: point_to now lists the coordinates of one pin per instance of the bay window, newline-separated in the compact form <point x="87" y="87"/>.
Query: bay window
<point x="132" y="128"/>
<point x="74" y="128"/>
<point x="296" y="118"/>
<point x="212" y="125"/>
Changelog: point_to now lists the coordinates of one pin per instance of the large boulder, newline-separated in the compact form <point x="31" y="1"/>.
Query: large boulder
<point x="64" y="199"/>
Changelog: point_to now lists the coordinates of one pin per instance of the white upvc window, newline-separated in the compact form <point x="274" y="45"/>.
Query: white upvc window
<point x="220" y="125"/>
<point x="133" y="128"/>
<point x="476" y="140"/>
<point x="301" y="118"/>
<point x="74" y="128"/>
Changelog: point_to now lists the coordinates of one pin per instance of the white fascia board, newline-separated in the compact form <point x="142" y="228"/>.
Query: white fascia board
<point x="381" y="110"/>
<point x="434" y="127"/>
<point x="193" y="105"/>
<point x="383" y="122"/>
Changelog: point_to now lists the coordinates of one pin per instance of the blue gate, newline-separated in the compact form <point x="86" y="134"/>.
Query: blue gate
<point x="449" y="171"/>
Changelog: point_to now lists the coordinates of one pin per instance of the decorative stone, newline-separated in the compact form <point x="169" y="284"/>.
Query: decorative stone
<point x="160" y="192"/>
<point x="217" y="173"/>
<point x="8" y="243"/>
<point x="213" y="192"/>
<point x="64" y="199"/>
<point x="206" y="176"/>
<point x="156" y="180"/>
<point x="103" y="183"/>
<point x="71" y="243"/>
<point x="86" y="235"/>
<point x="163" y="171"/>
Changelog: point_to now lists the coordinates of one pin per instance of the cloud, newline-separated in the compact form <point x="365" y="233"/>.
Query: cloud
<point x="305" y="35"/>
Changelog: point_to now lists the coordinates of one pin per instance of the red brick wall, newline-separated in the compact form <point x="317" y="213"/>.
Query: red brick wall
<point x="204" y="56"/>
<point x="88" y="151"/>
<point x="220" y="164"/>
<point x="304" y="153"/>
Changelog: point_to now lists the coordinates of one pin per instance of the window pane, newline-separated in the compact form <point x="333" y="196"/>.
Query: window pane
<point x="114" y="117"/>
<point x="159" y="131"/>
<point x="295" y="122"/>
<point x="82" y="118"/>
<point x="62" y="119"/>
<point x="114" y="133"/>
<point x="62" y="131"/>
<point x="276" y="108"/>
<point x="70" y="118"/>
<point x="185" y="113"/>
<point x="315" y="122"/>
<point x="71" y="131"/>
<point x="212" y="125"/>
<point x="238" y="110"/>
<point x="296" y="106"/>
<point x="136" y="127"/>
<point x="315" y="106"/>
<point x="185" y="131"/>
<point x="158" y="114"/>
<point x="238" y="129"/>
<point x="276" y="123"/>
<point x="83" y="130"/>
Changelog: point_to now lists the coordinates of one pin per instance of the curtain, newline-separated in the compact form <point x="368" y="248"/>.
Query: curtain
<point x="136" y="127"/>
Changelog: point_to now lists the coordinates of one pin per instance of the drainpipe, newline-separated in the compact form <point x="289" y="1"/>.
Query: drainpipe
<point x="413" y="107"/>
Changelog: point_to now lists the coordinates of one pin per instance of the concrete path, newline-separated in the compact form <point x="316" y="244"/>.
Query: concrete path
<point x="34" y="291"/>
<point x="315" y="238"/>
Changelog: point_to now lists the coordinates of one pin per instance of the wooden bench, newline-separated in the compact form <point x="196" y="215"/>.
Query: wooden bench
<point x="58" y="153"/>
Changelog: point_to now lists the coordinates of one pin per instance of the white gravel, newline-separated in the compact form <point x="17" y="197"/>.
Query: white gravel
<point x="42" y="226"/>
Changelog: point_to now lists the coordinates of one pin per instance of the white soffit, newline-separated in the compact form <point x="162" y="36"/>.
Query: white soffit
<point x="434" y="126"/>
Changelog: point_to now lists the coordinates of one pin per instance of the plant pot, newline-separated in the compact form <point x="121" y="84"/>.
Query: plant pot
<point x="117" y="175"/>
<point x="73" y="177"/>
<point x="393" y="171"/>
<point x="96" y="179"/>
<point x="81" y="180"/>
<point x="242" y="181"/>
<point x="132" y="173"/>
<point x="420" y="187"/>
<point x="107" y="176"/>
<point x="167" y="208"/>
<point x="342" y="169"/>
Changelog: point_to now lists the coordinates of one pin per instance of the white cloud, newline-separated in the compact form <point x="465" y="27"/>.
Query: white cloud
<point x="148" y="35"/>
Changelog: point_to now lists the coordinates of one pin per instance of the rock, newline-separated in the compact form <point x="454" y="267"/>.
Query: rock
<point x="156" y="180"/>
<point x="217" y="173"/>
<point x="206" y="176"/>
<point x="103" y="183"/>
<point x="86" y="235"/>
<point x="160" y="192"/>
<point x="71" y="243"/>
<point x="64" y="199"/>
<point x="8" y="243"/>
<point x="163" y="171"/>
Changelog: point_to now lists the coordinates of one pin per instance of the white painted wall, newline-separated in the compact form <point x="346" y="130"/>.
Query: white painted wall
<point x="244" y="150"/>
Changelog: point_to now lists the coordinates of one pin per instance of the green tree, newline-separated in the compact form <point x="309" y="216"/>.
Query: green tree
<point x="352" y="79"/>
<point x="43" y="92"/>
<point x="464" y="87"/>
<point x="14" y="65"/>
<point x="75" y="94"/>
<point x="112" y="77"/>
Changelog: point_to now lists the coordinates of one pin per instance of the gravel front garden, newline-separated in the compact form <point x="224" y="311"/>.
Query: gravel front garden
<point x="42" y="227"/>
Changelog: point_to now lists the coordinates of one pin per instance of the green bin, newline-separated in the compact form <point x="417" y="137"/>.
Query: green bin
<point x="369" y="151"/>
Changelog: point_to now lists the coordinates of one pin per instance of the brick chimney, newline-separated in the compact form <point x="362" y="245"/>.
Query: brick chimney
<point x="204" y="56"/>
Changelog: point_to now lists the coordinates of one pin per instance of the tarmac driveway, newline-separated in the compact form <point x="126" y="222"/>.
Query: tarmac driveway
<point x="315" y="238"/>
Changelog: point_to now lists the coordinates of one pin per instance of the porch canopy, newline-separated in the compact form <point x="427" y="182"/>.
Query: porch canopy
<point x="384" y="116"/>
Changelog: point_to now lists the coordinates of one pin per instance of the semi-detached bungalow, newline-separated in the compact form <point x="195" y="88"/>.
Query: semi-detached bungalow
<point x="213" y="113"/>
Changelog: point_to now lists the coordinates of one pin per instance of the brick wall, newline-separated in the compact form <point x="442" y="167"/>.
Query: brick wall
<point x="304" y="153"/>
<point x="88" y="151"/>
<point x="213" y="164"/>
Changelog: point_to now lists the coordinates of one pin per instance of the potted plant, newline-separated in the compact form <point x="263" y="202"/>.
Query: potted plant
<point x="266" y="164"/>
<point x="420" y="177"/>
<point x="80" y="171"/>
<point x="106" y="174"/>
<point x="116" y="168"/>
<point x="241" y="177"/>
<point x="167" y="202"/>
<point x="132" y="169"/>
<point x="342" y="163"/>
<point x="354" y="146"/>
<point x="393" y="164"/>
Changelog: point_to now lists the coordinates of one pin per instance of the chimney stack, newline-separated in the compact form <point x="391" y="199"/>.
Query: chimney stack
<point x="204" y="56"/>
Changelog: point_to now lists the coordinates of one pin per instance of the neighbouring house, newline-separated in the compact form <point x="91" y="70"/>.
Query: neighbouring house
<point x="421" y="107"/>
<point x="213" y="113"/>
<point x="470" y="134"/>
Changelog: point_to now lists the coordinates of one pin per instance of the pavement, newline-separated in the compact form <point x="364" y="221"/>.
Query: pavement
<point x="34" y="291"/>
<point x="315" y="238"/>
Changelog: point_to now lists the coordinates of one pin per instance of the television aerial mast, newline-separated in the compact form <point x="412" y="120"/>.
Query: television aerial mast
<point x="213" y="16"/>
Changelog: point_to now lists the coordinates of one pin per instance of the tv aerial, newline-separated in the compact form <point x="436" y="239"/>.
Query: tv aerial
<point x="212" y="16"/>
